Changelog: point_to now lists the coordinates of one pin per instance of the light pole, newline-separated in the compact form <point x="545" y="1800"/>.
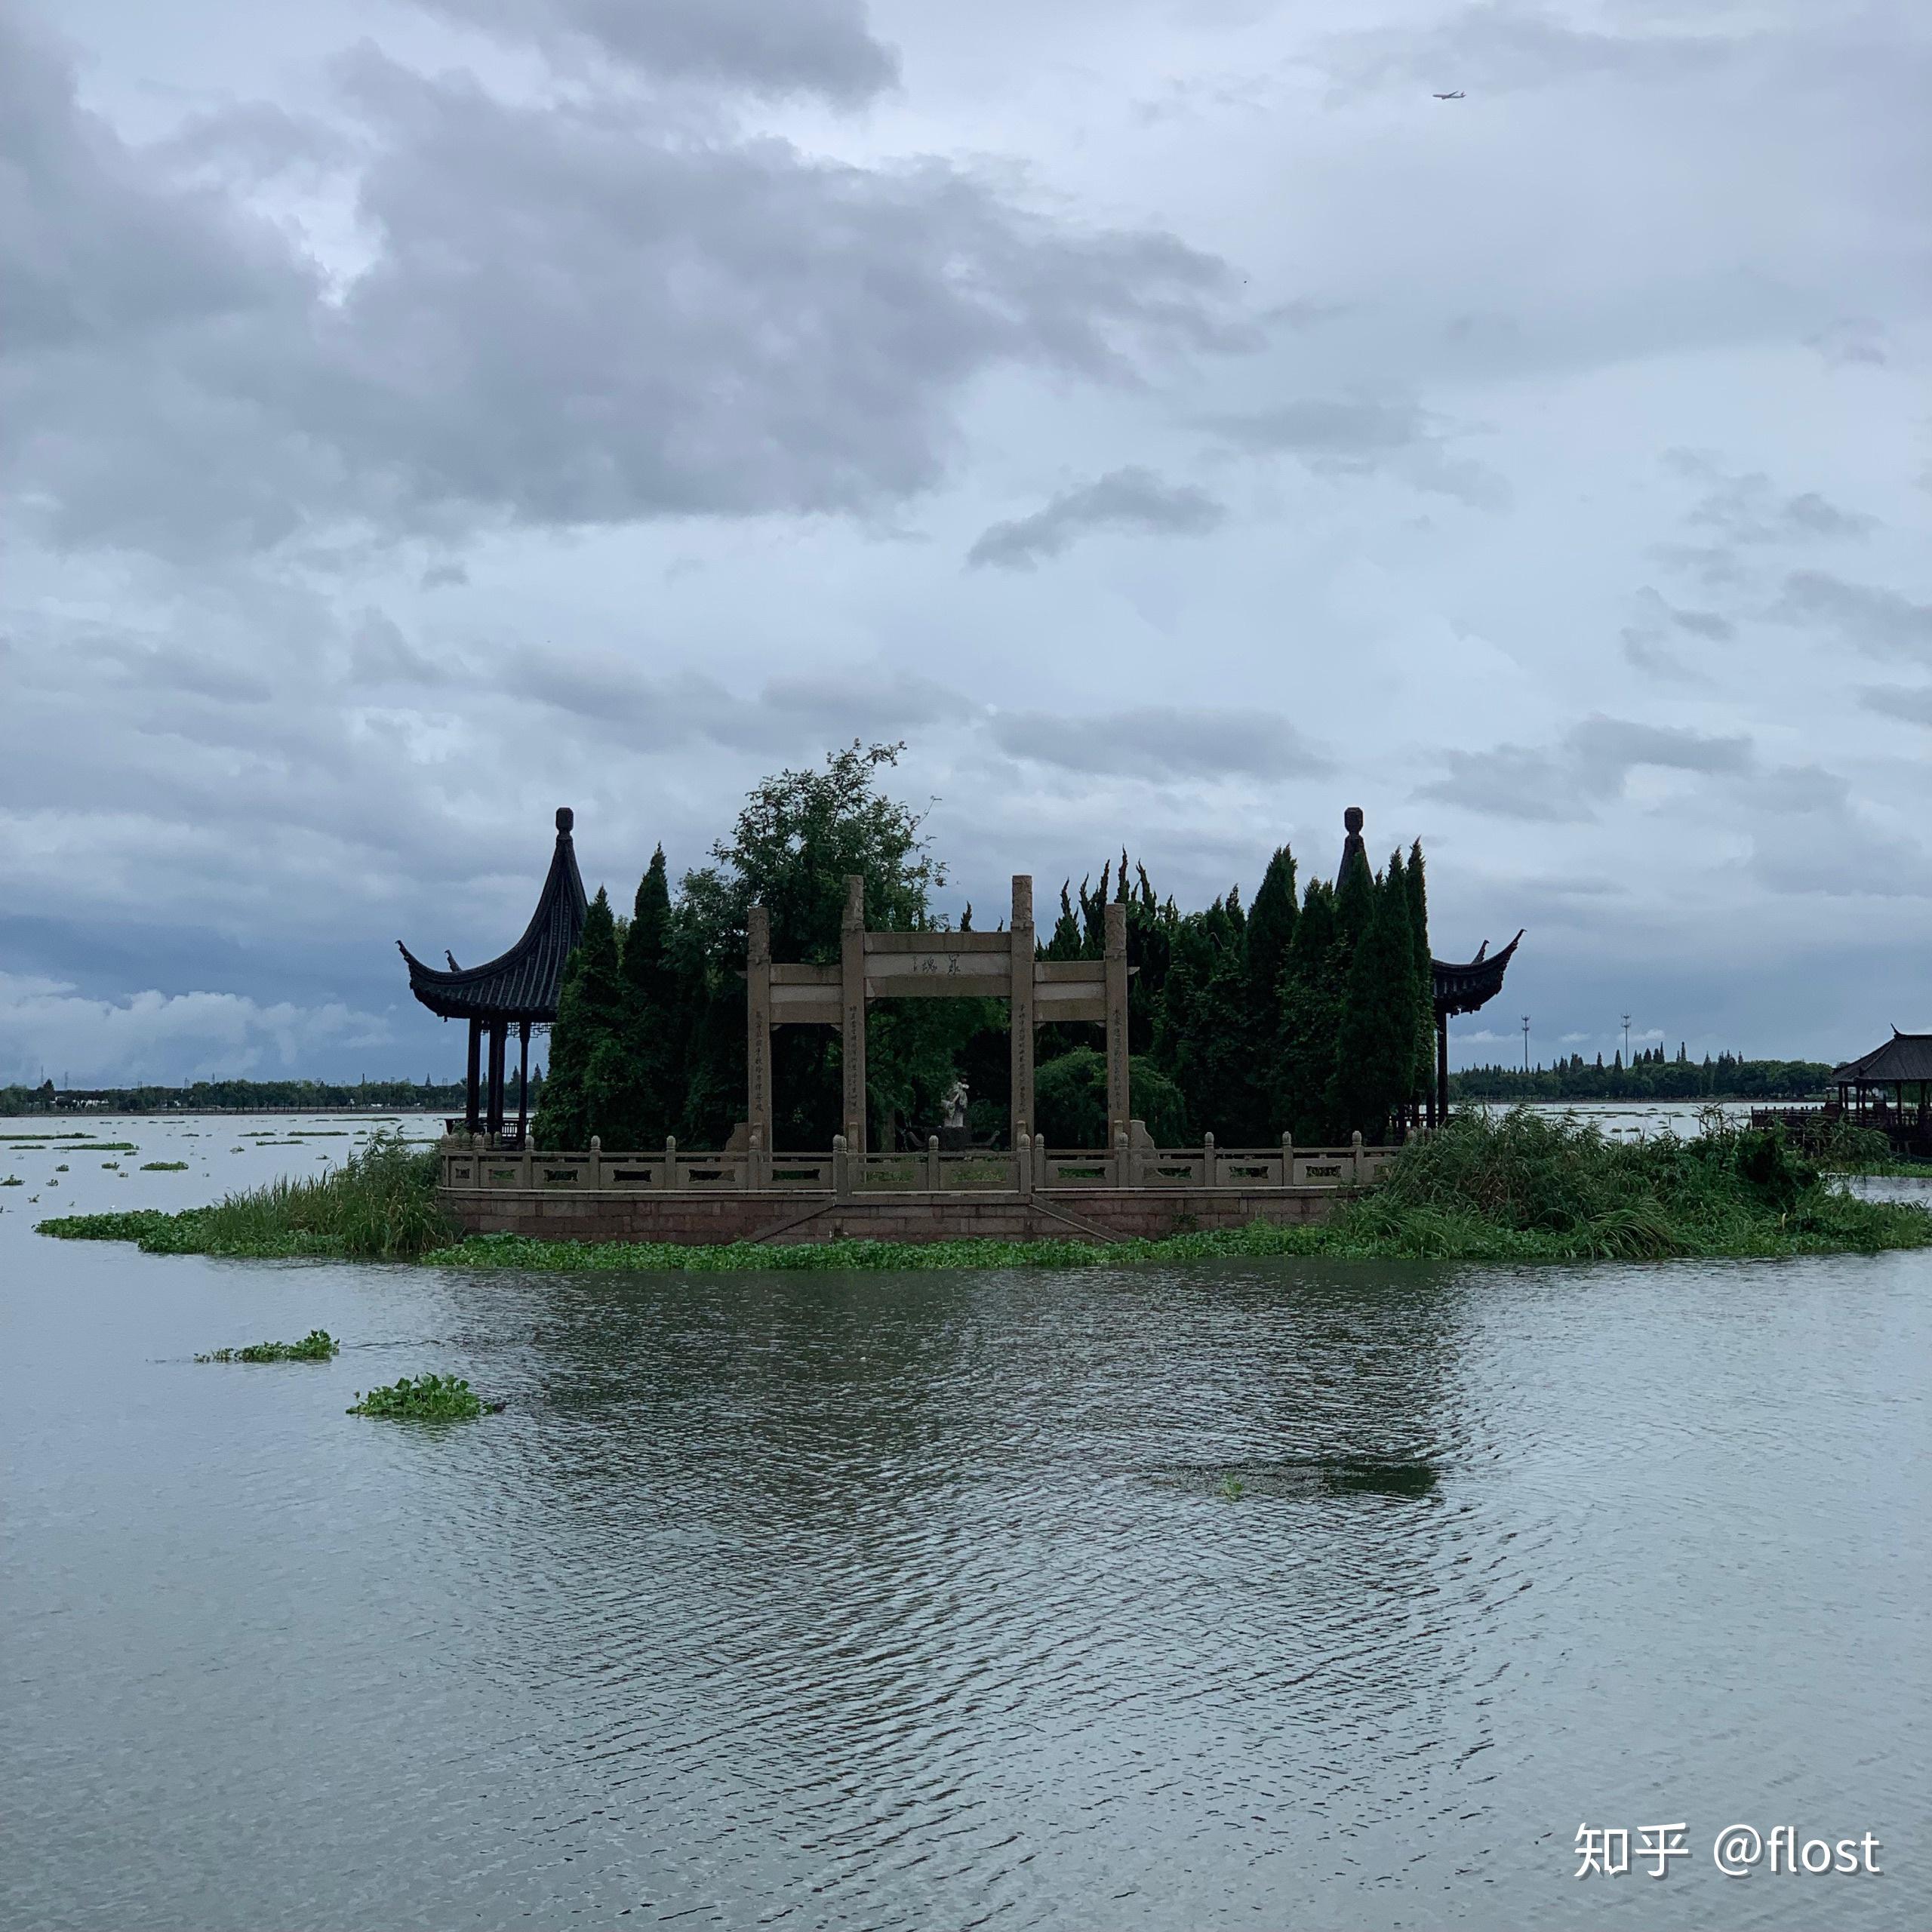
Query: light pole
<point x="1626" y="1042"/>
<point x="1526" y="1043"/>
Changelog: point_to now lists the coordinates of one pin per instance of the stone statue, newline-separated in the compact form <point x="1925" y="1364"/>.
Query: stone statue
<point x="956" y="1105"/>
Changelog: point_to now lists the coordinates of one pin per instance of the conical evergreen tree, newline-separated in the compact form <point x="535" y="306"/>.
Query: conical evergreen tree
<point x="1375" y="1044"/>
<point x="1425" y="1073"/>
<point x="1271" y="926"/>
<point x="1355" y="900"/>
<point x="641" y="1067"/>
<point x="1310" y="1009"/>
<point x="590" y="1008"/>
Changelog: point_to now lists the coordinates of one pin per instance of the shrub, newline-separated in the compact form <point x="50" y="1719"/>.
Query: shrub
<point x="427" y="1398"/>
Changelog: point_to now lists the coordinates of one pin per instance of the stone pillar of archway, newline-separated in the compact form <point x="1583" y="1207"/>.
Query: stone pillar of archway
<point x="1119" y="1109"/>
<point x="757" y="1026"/>
<point x="1021" y="956"/>
<point x="852" y="1012"/>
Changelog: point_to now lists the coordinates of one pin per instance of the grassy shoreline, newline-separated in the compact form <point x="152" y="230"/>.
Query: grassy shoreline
<point x="1516" y="1188"/>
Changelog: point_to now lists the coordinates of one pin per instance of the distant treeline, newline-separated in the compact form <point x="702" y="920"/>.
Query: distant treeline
<point x="235" y="1096"/>
<point x="1650" y="1076"/>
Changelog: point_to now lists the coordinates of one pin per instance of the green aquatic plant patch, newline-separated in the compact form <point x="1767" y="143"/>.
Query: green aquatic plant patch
<point x="426" y="1398"/>
<point x="379" y="1205"/>
<point x="1519" y="1186"/>
<point x="318" y="1345"/>
<point x="164" y="1166"/>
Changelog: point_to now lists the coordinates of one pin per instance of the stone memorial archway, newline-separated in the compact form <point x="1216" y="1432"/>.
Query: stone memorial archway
<point x="932" y="965"/>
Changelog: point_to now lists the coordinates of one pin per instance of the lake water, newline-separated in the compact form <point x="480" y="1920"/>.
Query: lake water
<point x="926" y="1601"/>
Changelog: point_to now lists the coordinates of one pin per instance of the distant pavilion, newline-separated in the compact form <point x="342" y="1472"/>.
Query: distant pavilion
<point x="1905" y="1060"/>
<point x="518" y="989"/>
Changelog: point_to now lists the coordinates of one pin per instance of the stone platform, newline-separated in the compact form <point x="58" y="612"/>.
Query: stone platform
<point x="790" y="1215"/>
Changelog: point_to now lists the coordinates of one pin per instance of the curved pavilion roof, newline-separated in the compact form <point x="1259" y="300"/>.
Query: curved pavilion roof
<point x="522" y="984"/>
<point x="1464" y="988"/>
<point x="1906" y="1057"/>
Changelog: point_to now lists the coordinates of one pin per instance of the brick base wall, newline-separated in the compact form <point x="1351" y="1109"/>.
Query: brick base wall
<point x="1065" y="1213"/>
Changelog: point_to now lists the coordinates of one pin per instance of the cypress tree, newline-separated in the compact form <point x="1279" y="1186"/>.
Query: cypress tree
<point x="1355" y="900"/>
<point x="1375" y="1043"/>
<point x="588" y="1008"/>
<point x="1418" y="883"/>
<point x="1271" y="926"/>
<point x="1311" y="1006"/>
<point x="641" y="1067"/>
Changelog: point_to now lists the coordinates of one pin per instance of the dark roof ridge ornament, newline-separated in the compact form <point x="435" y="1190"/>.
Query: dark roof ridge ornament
<point x="523" y="982"/>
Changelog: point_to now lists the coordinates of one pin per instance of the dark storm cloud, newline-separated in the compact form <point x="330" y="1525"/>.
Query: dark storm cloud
<point x="1592" y="764"/>
<point x="571" y="317"/>
<point x="1364" y="438"/>
<point x="1129" y="500"/>
<point x="1161" y="743"/>
<point x="1881" y="622"/>
<point x="770" y="47"/>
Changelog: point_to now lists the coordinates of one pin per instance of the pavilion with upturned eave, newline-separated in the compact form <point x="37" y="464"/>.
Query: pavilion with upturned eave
<point x="1903" y="1061"/>
<point x="518" y="989"/>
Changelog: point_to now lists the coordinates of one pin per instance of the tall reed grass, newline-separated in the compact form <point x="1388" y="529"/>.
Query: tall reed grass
<point x="379" y="1205"/>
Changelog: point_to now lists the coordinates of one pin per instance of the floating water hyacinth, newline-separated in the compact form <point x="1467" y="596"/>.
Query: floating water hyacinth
<point x="426" y="1398"/>
<point x="318" y="1345"/>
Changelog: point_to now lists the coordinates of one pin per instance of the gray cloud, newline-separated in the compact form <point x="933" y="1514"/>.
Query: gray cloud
<point x="1129" y="500"/>
<point x="1881" y="622"/>
<point x="570" y="318"/>
<point x="1647" y="641"/>
<point x="1591" y="763"/>
<point x="822" y="47"/>
<point x="1851" y="341"/>
<point x="1165" y="743"/>
<point x="1912" y="702"/>
<point x="1364" y="438"/>
<point x="1746" y="509"/>
<point x="1492" y="49"/>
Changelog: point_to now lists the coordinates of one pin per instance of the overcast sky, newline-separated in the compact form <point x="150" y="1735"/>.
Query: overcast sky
<point x="1164" y="414"/>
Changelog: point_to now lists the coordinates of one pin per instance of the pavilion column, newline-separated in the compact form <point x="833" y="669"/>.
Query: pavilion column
<point x="852" y="1011"/>
<point x="1021" y="958"/>
<point x="757" y="1027"/>
<point x="493" y="1120"/>
<point x="522" y="1082"/>
<point x="1119" y="1105"/>
<point x="473" y="1080"/>
<point x="1442" y="1068"/>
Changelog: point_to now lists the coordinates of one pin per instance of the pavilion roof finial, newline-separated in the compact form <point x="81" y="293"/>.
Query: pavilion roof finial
<point x="566" y="818"/>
